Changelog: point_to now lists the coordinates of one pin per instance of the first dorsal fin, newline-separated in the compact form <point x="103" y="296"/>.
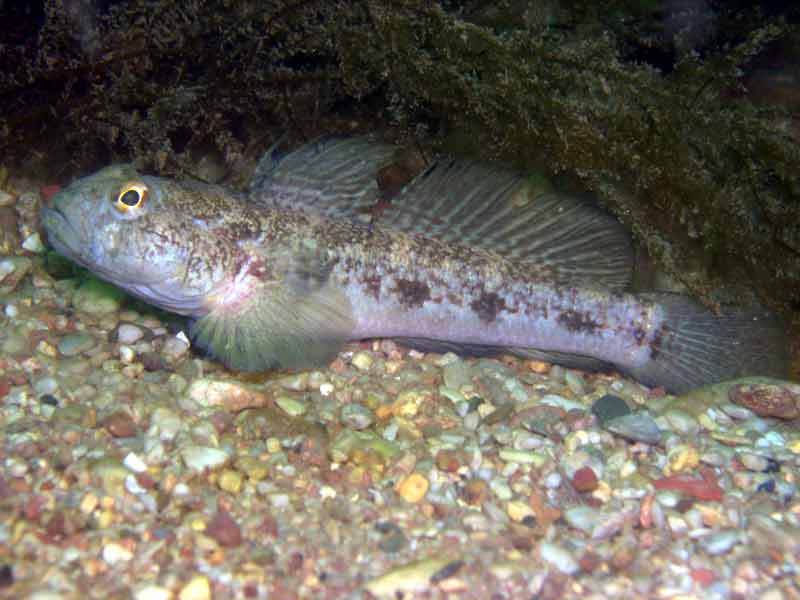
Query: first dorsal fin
<point x="334" y="177"/>
<point x="517" y="215"/>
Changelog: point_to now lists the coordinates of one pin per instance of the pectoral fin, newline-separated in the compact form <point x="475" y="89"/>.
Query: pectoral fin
<point x="299" y="320"/>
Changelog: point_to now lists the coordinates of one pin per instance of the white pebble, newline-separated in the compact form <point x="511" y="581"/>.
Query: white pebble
<point x="133" y="487"/>
<point x="134" y="463"/>
<point x="199" y="458"/>
<point x="114" y="553"/>
<point x="129" y="333"/>
<point x="153" y="592"/>
<point x="126" y="354"/>
<point x="560" y="558"/>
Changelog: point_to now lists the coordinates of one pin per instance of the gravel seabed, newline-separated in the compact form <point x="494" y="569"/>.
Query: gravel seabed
<point x="132" y="468"/>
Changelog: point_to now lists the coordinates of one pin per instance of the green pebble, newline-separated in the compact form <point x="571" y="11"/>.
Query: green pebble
<point x="523" y="457"/>
<point x="291" y="406"/>
<point x="75" y="344"/>
<point x="96" y="297"/>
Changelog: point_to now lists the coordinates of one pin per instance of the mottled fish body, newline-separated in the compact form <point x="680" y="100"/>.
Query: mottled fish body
<point x="469" y="257"/>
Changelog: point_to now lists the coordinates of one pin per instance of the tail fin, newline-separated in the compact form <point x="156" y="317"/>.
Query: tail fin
<point x="698" y="347"/>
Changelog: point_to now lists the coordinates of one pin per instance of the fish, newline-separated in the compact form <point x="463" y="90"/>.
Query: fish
<point x="471" y="257"/>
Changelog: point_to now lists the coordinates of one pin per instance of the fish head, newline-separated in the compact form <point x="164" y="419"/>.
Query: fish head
<point x="152" y="237"/>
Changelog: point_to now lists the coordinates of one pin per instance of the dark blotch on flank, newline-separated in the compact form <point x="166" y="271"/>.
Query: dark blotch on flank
<point x="413" y="293"/>
<point x="579" y="322"/>
<point x="488" y="305"/>
<point x="372" y="283"/>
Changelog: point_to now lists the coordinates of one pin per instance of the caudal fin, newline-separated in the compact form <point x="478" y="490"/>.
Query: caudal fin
<point x="697" y="347"/>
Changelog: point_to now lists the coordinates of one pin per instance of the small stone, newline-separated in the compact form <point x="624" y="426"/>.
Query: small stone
<point x="134" y="463"/>
<point x="200" y="458"/>
<point x="413" y="488"/>
<point x="559" y="557"/>
<point x="198" y="588"/>
<point x="768" y="397"/>
<point x="153" y="592"/>
<point x="518" y="510"/>
<point x="175" y="347"/>
<point x="362" y="361"/>
<point x="575" y="383"/>
<point x="114" y="553"/>
<point x="720" y="542"/>
<point x="584" y="480"/>
<point x="680" y="422"/>
<point x="128" y="333"/>
<point x="13" y="269"/>
<point x="561" y="402"/>
<point x="231" y="395"/>
<point x="522" y="457"/>
<point x="33" y="243"/>
<point x="75" y="344"/>
<point x="682" y="458"/>
<point x="610" y="407"/>
<point x="638" y="427"/>
<point x="291" y="406"/>
<point x="224" y="530"/>
<point x="754" y="462"/>
<point x="120" y="425"/>
<point x="410" y="579"/>
<point x="393" y="539"/>
<point x="230" y="481"/>
<point x="357" y="416"/>
<point x="476" y="492"/>
<point x="96" y="297"/>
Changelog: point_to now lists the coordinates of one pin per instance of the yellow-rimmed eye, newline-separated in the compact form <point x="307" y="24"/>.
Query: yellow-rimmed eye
<point x="131" y="197"/>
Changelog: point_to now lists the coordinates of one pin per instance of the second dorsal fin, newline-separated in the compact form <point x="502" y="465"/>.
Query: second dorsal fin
<point x="517" y="215"/>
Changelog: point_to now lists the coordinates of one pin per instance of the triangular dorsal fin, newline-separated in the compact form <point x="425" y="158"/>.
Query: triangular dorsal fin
<point x="334" y="177"/>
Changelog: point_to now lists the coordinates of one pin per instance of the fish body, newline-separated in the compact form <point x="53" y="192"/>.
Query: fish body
<point x="283" y="276"/>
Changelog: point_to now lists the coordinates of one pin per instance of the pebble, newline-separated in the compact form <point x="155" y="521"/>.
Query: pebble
<point x="95" y="297"/>
<point x="357" y="416"/>
<point x="413" y="488"/>
<point x="637" y="427"/>
<point x="235" y="396"/>
<point x="456" y="375"/>
<point x="559" y="557"/>
<point x="561" y="402"/>
<point x="291" y="406"/>
<point x="682" y="458"/>
<point x="413" y="578"/>
<point x="114" y="553"/>
<point x="33" y="243"/>
<point x="575" y="383"/>
<point x="200" y="458"/>
<point x="224" y="530"/>
<point x="74" y="344"/>
<point x="153" y="592"/>
<point x="720" y="542"/>
<point x="134" y="463"/>
<point x="230" y="481"/>
<point x="610" y="407"/>
<point x="362" y="361"/>
<point x="754" y="462"/>
<point x="128" y="333"/>
<point x="198" y="588"/>
<point x="679" y="421"/>
<point x="175" y="347"/>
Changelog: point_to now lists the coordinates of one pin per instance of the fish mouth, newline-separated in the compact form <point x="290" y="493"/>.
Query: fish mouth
<point x="61" y="234"/>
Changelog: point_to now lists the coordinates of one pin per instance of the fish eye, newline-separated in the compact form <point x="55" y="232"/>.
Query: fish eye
<point x="131" y="197"/>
